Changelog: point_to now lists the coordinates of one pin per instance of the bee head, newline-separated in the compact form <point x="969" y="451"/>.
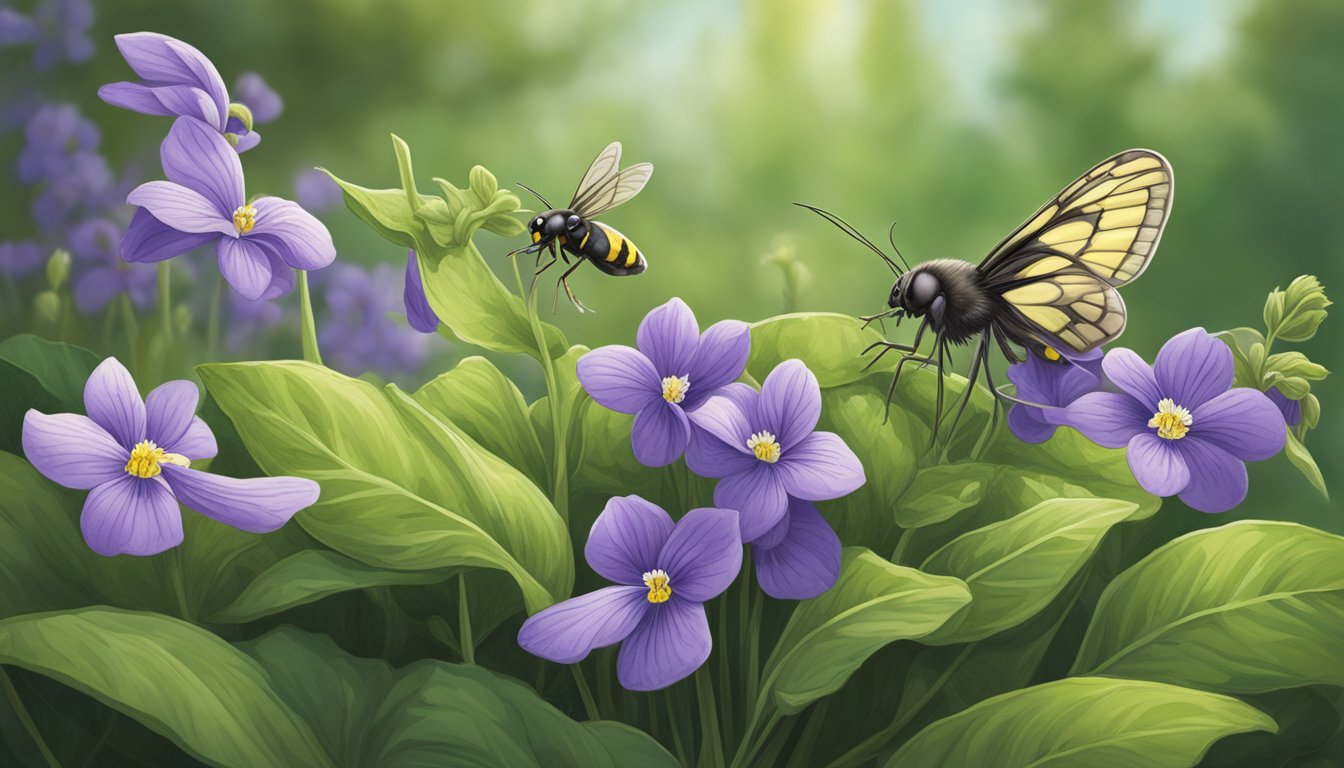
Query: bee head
<point x="548" y="226"/>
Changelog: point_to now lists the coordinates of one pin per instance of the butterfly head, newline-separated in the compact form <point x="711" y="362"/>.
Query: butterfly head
<point x="914" y="291"/>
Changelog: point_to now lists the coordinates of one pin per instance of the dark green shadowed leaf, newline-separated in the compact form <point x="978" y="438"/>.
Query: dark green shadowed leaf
<point x="1093" y="722"/>
<point x="1307" y="720"/>
<point x="1014" y="568"/>
<point x="1251" y="606"/>
<point x="433" y="713"/>
<point x="177" y="679"/>
<point x="401" y="489"/>
<point x="41" y="374"/>
<point x="873" y="603"/>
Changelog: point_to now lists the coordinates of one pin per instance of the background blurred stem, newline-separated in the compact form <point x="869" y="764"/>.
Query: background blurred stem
<point x="12" y="694"/>
<point x="307" y="327"/>
<point x="132" y="331"/>
<point x="166" y="298"/>
<point x="212" y="322"/>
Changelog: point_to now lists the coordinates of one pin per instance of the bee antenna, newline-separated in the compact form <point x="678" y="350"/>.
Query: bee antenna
<point x="845" y="227"/>
<point x="891" y="238"/>
<point x="535" y="194"/>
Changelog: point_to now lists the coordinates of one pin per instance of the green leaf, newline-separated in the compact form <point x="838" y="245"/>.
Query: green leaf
<point x="308" y="576"/>
<point x="1301" y="458"/>
<point x="41" y="374"/>
<point x="1092" y="722"/>
<point x="486" y="405"/>
<point x="434" y="713"/>
<point x="873" y="603"/>
<point x="1252" y="606"/>
<point x="385" y="211"/>
<point x="401" y="489"/>
<point x="181" y="681"/>
<point x="1015" y="567"/>
<point x="1296" y="364"/>
<point x="940" y="492"/>
<point x="1103" y="472"/>
<point x="1308" y="719"/>
<point x="830" y="345"/>
<point x="1240" y="340"/>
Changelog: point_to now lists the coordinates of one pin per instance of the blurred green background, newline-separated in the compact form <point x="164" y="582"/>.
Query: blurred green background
<point x="955" y="120"/>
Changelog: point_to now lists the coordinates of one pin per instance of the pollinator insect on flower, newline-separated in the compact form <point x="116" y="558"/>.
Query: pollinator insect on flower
<point x="1049" y="287"/>
<point x="604" y="186"/>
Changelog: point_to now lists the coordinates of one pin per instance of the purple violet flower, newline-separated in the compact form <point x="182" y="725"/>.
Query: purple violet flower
<point x="58" y="30"/>
<point x="134" y="458"/>
<point x="674" y="370"/>
<point x="176" y="81"/>
<point x="419" y="314"/>
<point x="315" y="191"/>
<point x="665" y="573"/>
<point x="1186" y="430"/>
<point x="799" y="558"/>
<point x="764" y="447"/>
<point x="258" y="243"/>
<point x="1291" y="409"/>
<point x="358" y="332"/>
<point x="101" y="274"/>
<point x="1049" y="383"/>
<point x="257" y="95"/>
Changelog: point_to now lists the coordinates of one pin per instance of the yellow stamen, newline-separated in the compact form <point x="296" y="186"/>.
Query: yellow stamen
<point x="1052" y="354"/>
<point x="764" y="445"/>
<point x="244" y="218"/>
<point x="659" y="588"/>
<point x="1171" y="420"/>
<point x="675" y="388"/>
<point x="146" y="458"/>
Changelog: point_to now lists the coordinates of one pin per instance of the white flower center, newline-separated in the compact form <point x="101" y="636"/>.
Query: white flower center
<point x="764" y="445"/>
<point x="675" y="388"/>
<point x="1171" y="420"/>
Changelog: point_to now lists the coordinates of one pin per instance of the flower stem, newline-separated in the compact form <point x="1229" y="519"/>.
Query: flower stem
<point x="464" y="622"/>
<point x="589" y="705"/>
<point x="212" y="322"/>
<point x="308" y="327"/>
<point x="711" y="744"/>
<point x="166" y="299"/>
<point x="132" y="332"/>
<point x="674" y="724"/>
<point x="16" y="703"/>
<point x="559" y="415"/>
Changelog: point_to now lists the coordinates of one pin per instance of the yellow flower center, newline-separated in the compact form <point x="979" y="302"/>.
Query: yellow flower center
<point x="675" y="388"/>
<point x="244" y="218"/>
<point x="659" y="589"/>
<point x="146" y="458"/>
<point x="764" y="445"/>
<point x="1171" y="420"/>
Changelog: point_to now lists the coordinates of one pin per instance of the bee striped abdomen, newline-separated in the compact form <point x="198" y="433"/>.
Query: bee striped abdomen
<point x="612" y="252"/>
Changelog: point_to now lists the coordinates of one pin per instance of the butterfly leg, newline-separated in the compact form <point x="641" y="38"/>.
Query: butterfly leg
<point x="980" y="357"/>
<point x="888" y="346"/>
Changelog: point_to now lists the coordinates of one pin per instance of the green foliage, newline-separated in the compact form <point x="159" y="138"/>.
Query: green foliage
<point x="36" y="373"/>
<point x="1295" y="314"/>
<point x="1084" y="721"/>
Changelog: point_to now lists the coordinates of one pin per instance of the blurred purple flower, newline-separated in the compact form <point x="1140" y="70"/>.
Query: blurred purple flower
<point x="58" y="30"/>
<point x="665" y="573"/>
<point x="258" y="243"/>
<point x="249" y="319"/>
<point x="1291" y="409"/>
<point x="764" y="447"/>
<point x="315" y="190"/>
<point x="56" y="135"/>
<point x="674" y="370"/>
<point x="19" y="257"/>
<point x="176" y="80"/>
<point x="100" y="274"/>
<point x="134" y="458"/>
<point x="253" y="91"/>
<point x="419" y="314"/>
<point x="359" y="332"/>
<point x="1049" y="383"/>
<point x="1186" y="430"/>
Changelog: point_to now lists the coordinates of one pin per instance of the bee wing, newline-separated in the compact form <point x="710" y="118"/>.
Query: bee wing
<point x="1107" y="222"/>
<point x="614" y="191"/>
<point x="603" y="167"/>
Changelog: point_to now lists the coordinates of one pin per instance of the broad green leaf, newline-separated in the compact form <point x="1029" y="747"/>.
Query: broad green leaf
<point x="386" y="211"/>
<point x="1093" y="722"/>
<point x="940" y="492"/>
<point x="41" y="374"/>
<point x="873" y="603"/>
<point x="1102" y="471"/>
<point x="1307" y="719"/>
<point x="308" y="576"/>
<point x="1251" y="606"/>
<point x="486" y="405"/>
<point x="830" y="345"/>
<point x="187" y="684"/>
<point x="1301" y="458"/>
<point x="433" y="713"/>
<point x="1014" y="568"/>
<point x="400" y="488"/>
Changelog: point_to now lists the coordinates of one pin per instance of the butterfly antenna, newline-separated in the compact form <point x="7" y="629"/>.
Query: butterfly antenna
<point x="891" y="238"/>
<point x="844" y="226"/>
<point x="536" y="194"/>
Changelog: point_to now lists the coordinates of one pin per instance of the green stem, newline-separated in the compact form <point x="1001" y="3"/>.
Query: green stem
<point x="559" y="415"/>
<point x="464" y="622"/>
<point x="589" y="705"/>
<point x="178" y="576"/>
<point x="132" y="331"/>
<point x="307" y="327"/>
<point x="869" y="746"/>
<point x="212" y="322"/>
<point x="12" y="694"/>
<point x="674" y="724"/>
<point x="802" y="750"/>
<point x="902" y="544"/>
<point x="725" y="670"/>
<point x="744" y="758"/>
<point x="711" y="743"/>
<point x="166" y="298"/>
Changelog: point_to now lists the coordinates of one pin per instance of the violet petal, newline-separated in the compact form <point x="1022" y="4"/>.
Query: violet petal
<point x="245" y="265"/>
<point x="820" y="467"/>
<point x="201" y="159"/>
<point x="719" y="359"/>
<point x="626" y="538"/>
<point x="1218" y="480"/>
<point x="806" y="562"/>
<point x="703" y="553"/>
<point x="1193" y="367"/>
<point x="668" y="645"/>
<point x="183" y="209"/>
<point x="1131" y="374"/>
<point x="301" y="240"/>
<point x="1158" y="465"/>
<point x="757" y="495"/>
<point x="131" y="516"/>
<point x="72" y="450"/>
<point x="1108" y="419"/>
<point x="668" y="336"/>
<point x="1243" y="422"/>
<point x="569" y="630"/>
<point x="147" y="239"/>
<point x="660" y="433"/>
<point x="619" y="378"/>
<point x="169" y="410"/>
<point x="111" y="400"/>
<point x="790" y="404"/>
<point x="256" y="505"/>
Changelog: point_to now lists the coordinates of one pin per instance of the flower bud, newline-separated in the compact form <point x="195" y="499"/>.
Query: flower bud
<point x="58" y="268"/>
<point x="47" y="307"/>
<point x="1311" y="411"/>
<point x="242" y="114"/>
<point x="1295" y="314"/>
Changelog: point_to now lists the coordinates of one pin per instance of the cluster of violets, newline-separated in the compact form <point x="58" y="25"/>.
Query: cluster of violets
<point x="771" y="465"/>
<point x="1186" y="430"/>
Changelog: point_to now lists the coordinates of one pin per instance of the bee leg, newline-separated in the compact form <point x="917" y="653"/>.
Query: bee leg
<point x="537" y="275"/>
<point x="569" y="292"/>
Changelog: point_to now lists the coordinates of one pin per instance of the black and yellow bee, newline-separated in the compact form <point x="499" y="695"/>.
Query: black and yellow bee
<point x="1048" y="288"/>
<point x="603" y="187"/>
